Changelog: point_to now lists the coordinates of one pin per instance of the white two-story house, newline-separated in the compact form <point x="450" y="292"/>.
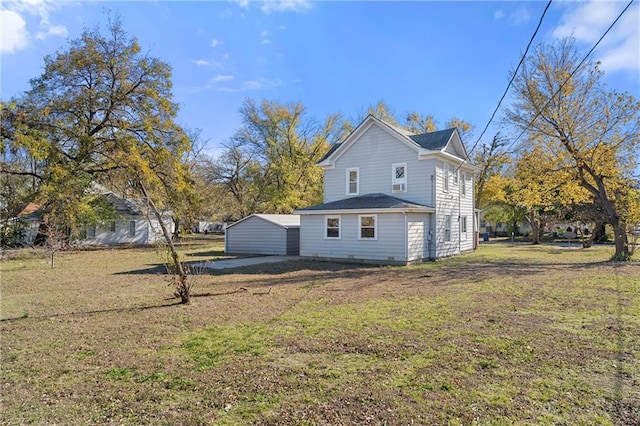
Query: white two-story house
<point x="391" y="196"/>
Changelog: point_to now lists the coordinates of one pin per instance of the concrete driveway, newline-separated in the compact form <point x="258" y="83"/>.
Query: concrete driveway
<point x="245" y="261"/>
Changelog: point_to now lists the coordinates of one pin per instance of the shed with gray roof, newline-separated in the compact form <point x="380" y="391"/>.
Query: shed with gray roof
<point x="273" y="234"/>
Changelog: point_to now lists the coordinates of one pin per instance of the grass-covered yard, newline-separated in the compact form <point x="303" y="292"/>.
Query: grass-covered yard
<point x="506" y="335"/>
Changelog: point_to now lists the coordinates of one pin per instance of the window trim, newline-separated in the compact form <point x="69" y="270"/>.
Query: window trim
<point x="447" y="228"/>
<point x="463" y="184"/>
<point x="132" y="228"/>
<point x="395" y="180"/>
<point x="445" y="180"/>
<point x="463" y="224"/>
<point x="112" y="226"/>
<point x="375" y="227"/>
<point x="348" y="179"/>
<point x="326" y="227"/>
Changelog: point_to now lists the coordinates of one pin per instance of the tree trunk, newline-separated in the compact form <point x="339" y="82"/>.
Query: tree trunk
<point x="620" y="238"/>
<point x="535" y="228"/>
<point x="183" y="289"/>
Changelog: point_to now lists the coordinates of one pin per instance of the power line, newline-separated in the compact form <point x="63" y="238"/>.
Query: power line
<point x="515" y="73"/>
<point x="528" y="126"/>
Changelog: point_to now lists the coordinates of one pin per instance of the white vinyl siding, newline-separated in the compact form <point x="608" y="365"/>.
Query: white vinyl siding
<point x="390" y="245"/>
<point x="373" y="155"/>
<point x="368" y="225"/>
<point x="353" y="181"/>
<point x="255" y="235"/>
<point x="332" y="227"/>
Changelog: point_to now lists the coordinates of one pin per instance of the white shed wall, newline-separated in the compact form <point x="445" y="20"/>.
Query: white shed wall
<point x="256" y="236"/>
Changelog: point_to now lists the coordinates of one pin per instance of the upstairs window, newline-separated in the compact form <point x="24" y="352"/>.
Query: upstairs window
<point x="399" y="177"/>
<point x="445" y="177"/>
<point x="367" y="227"/>
<point x="463" y="184"/>
<point x="332" y="227"/>
<point x="463" y="224"/>
<point x="353" y="181"/>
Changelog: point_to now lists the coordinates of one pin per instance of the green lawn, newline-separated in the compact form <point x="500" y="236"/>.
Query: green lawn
<point x="509" y="334"/>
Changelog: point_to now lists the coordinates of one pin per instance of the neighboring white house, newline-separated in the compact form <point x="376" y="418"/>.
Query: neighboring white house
<point x="391" y="196"/>
<point x="131" y="225"/>
<point x="264" y="234"/>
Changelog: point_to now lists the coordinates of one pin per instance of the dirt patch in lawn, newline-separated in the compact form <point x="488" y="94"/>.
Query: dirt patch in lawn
<point x="508" y="334"/>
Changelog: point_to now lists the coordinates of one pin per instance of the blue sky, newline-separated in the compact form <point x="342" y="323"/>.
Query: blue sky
<point x="441" y="58"/>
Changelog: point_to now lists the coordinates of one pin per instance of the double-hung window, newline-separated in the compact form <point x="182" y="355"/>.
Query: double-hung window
<point x="353" y="181"/>
<point x="463" y="184"/>
<point x="445" y="177"/>
<point x="463" y="227"/>
<point x="332" y="227"/>
<point x="447" y="228"/>
<point x="368" y="227"/>
<point x="399" y="177"/>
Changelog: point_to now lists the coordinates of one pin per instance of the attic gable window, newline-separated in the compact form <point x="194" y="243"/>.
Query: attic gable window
<point x="399" y="177"/>
<point x="353" y="181"/>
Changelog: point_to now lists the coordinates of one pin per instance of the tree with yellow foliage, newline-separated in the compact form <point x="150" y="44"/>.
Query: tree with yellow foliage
<point x="591" y="133"/>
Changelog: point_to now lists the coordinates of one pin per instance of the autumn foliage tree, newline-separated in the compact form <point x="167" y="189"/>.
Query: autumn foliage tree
<point x="268" y="166"/>
<point x="101" y="113"/>
<point x="592" y="133"/>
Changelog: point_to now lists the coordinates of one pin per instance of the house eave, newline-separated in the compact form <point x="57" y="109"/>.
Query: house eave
<point x="366" y="211"/>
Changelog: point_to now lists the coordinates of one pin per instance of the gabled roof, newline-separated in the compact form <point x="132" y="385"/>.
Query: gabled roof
<point x="285" y="221"/>
<point x="423" y="143"/>
<point x="123" y="205"/>
<point x="368" y="202"/>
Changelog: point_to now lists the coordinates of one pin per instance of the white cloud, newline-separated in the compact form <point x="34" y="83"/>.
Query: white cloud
<point x="215" y="42"/>
<point x="219" y="78"/>
<point x="14" y="34"/>
<point x="298" y="6"/>
<point x="201" y="62"/>
<point x="519" y="16"/>
<point x="498" y="15"/>
<point x="620" y="49"/>
<point x="265" y="37"/>
<point x="262" y="83"/>
<point x="57" y="31"/>
<point x="243" y="3"/>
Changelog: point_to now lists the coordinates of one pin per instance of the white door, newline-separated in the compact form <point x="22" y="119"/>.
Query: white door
<point x="415" y="240"/>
